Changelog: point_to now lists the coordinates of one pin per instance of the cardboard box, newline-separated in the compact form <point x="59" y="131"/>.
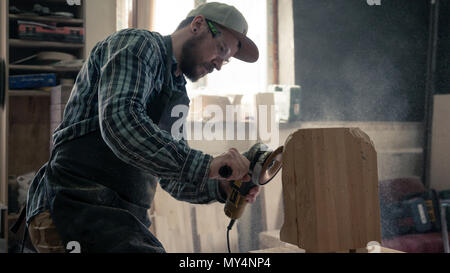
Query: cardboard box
<point x="60" y="94"/>
<point x="288" y="99"/>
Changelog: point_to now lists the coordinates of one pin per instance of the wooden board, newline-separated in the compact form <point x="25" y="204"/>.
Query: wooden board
<point x="185" y="228"/>
<point x="44" y="44"/>
<point x="440" y="147"/>
<point x="209" y="221"/>
<point x="210" y="230"/>
<point x="171" y="222"/>
<point x="330" y="190"/>
<point x="29" y="134"/>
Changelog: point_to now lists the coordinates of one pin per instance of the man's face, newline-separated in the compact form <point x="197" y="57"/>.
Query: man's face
<point x="202" y="53"/>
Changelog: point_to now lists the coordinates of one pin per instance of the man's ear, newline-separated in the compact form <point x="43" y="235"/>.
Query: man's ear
<point x="198" y="24"/>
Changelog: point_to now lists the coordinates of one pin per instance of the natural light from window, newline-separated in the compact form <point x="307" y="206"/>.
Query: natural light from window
<point x="236" y="77"/>
<point x="124" y="10"/>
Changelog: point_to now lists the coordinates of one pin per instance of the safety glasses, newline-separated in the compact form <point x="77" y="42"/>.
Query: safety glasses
<point x="222" y="48"/>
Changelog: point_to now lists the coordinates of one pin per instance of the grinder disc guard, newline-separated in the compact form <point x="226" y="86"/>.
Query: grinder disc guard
<point x="271" y="166"/>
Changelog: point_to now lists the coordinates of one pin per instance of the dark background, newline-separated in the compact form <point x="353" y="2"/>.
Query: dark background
<point x="443" y="60"/>
<point x="357" y="62"/>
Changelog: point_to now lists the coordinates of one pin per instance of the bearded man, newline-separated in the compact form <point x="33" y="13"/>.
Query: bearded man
<point x="113" y="145"/>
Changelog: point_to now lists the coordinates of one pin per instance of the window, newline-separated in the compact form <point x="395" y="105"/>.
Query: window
<point x="124" y="14"/>
<point x="239" y="77"/>
<point x="166" y="18"/>
<point x="236" y="77"/>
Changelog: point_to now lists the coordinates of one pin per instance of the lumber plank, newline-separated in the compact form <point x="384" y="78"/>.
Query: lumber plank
<point x="171" y="222"/>
<point x="210" y="229"/>
<point x="29" y="134"/>
<point x="330" y="190"/>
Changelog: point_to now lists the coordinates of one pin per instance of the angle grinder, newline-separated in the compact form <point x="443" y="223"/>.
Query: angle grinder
<point x="264" y="166"/>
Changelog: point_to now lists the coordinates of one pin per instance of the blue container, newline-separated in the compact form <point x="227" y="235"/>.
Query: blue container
<point x="32" y="81"/>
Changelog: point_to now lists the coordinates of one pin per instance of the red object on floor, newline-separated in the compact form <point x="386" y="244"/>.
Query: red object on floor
<point x="416" y="243"/>
<point x="395" y="190"/>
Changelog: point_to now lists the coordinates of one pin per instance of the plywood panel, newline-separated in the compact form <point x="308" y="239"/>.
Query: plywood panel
<point x="171" y="223"/>
<point x="211" y="227"/>
<point x="29" y="134"/>
<point x="330" y="190"/>
<point x="440" y="147"/>
<point x="210" y="222"/>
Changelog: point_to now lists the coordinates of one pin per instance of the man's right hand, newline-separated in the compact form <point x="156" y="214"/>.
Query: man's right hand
<point x="237" y="162"/>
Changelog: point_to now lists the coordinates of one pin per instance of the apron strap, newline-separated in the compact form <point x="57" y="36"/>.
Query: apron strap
<point x="19" y="222"/>
<point x="15" y="228"/>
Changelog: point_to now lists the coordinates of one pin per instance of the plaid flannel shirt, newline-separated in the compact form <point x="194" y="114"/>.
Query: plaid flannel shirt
<point x="112" y="93"/>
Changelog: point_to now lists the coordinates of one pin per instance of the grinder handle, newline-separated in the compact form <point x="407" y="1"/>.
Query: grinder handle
<point x="236" y="203"/>
<point x="245" y="188"/>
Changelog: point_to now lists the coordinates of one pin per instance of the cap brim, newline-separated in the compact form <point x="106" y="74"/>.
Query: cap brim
<point x="249" y="51"/>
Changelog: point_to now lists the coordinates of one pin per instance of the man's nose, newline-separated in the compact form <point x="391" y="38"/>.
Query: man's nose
<point x="218" y="62"/>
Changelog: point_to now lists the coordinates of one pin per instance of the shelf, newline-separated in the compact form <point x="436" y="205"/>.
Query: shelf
<point x="44" y="68"/>
<point x="43" y="44"/>
<point x="64" y="2"/>
<point x="28" y="93"/>
<point x="72" y="21"/>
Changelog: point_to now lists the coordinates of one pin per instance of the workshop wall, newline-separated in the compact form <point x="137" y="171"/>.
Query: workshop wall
<point x="361" y="62"/>
<point x="443" y="52"/>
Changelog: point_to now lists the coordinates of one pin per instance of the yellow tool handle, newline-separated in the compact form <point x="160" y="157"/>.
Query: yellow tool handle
<point x="235" y="205"/>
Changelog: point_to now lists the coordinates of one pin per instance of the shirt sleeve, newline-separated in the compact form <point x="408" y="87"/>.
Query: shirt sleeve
<point x="126" y="83"/>
<point x="188" y="192"/>
<point x="185" y="191"/>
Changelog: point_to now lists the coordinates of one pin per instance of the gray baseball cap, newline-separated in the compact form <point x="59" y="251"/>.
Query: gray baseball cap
<point x="231" y="18"/>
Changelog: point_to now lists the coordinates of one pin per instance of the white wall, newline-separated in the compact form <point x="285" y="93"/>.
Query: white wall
<point x="100" y="21"/>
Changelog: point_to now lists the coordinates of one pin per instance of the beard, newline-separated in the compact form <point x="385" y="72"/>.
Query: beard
<point x="189" y="57"/>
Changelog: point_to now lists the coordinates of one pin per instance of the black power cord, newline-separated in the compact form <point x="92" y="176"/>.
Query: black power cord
<point x="230" y="226"/>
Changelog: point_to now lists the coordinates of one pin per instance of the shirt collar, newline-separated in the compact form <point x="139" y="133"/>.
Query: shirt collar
<point x="178" y="80"/>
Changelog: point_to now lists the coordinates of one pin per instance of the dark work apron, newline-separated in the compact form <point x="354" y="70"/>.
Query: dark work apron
<point x="97" y="199"/>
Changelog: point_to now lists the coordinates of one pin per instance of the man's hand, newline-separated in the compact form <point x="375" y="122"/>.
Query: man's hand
<point x="250" y="197"/>
<point x="240" y="166"/>
<point x="237" y="162"/>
